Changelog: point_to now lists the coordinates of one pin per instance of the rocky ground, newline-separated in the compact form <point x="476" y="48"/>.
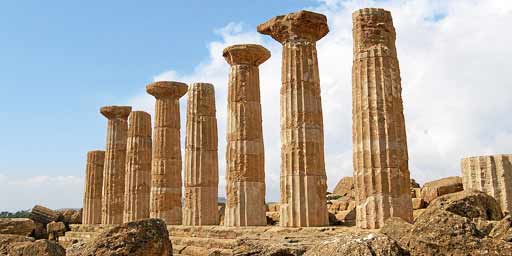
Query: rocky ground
<point x="447" y="221"/>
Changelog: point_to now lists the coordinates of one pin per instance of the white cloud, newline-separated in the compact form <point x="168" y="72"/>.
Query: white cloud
<point x="53" y="192"/>
<point x="454" y="57"/>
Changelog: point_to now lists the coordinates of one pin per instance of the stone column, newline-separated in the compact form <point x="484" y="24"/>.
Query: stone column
<point x="114" y="168"/>
<point x="381" y="171"/>
<point x="303" y="179"/>
<point x="245" y="158"/>
<point x="492" y="175"/>
<point x="166" y="169"/>
<point x="93" y="187"/>
<point x="138" y="167"/>
<point x="201" y="163"/>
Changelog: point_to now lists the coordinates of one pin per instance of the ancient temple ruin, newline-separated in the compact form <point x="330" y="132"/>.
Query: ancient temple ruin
<point x="201" y="162"/>
<point x="114" y="167"/>
<point x="490" y="174"/>
<point x="303" y="179"/>
<point x="93" y="187"/>
<point x="381" y="170"/>
<point x="165" y="198"/>
<point x="138" y="167"/>
<point x="245" y="158"/>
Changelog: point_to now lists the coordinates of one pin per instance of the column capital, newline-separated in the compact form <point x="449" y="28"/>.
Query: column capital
<point x="246" y="54"/>
<point x="297" y="25"/>
<point x="165" y="89"/>
<point x="111" y="112"/>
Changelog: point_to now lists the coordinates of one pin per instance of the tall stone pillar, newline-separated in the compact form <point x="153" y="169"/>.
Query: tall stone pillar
<point x="201" y="163"/>
<point x="165" y="202"/>
<point x="303" y="179"/>
<point x="381" y="171"/>
<point x="93" y="187"/>
<point x="245" y="158"/>
<point x="492" y="175"/>
<point x="114" y="169"/>
<point x="138" y="167"/>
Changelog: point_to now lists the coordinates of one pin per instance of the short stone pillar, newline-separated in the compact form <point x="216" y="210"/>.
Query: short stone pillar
<point x="138" y="167"/>
<point x="492" y="175"/>
<point x="165" y="202"/>
<point x="93" y="187"/>
<point x="303" y="179"/>
<point x="245" y="158"/>
<point x="381" y="171"/>
<point x="114" y="167"/>
<point x="201" y="163"/>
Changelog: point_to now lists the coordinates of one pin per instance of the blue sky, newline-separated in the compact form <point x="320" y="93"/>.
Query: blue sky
<point x="60" y="61"/>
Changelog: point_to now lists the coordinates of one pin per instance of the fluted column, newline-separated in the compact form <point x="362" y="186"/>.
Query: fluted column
<point x="245" y="158"/>
<point x="138" y="167"/>
<point x="381" y="171"/>
<point x="93" y="187"/>
<point x="303" y="179"/>
<point x="492" y="175"/>
<point x="114" y="168"/>
<point x="201" y="163"/>
<point x="165" y="202"/>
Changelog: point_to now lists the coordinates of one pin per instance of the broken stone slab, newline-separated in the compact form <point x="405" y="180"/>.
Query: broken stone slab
<point x="434" y="189"/>
<point x="17" y="226"/>
<point x="44" y="215"/>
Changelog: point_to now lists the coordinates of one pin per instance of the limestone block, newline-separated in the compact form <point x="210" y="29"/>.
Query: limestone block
<point x="381" y="171"/>
<point x="44" y="215"/>
<point x="492" y="175"/>
<point x="434" y="189"/>
<point x="303" y="179"/>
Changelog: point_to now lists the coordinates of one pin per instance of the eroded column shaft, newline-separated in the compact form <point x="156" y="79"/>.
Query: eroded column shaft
<point x="93" y="187"/>
<point x="380" y="155"/>
<point x="245" y="158"/>
<point x="492" y="175"/>
<point x="165" y="202"/>
<point x="114" y="167"/>
<point x="201" y="160"/>
<point x="303" y="179"/>
<point x="138" y="167"/>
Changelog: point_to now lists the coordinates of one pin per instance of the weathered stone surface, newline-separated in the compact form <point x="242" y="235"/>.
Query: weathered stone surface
<point x="55" y="229"/>
<point x="114" y="167"/>
<point x="471" y="204"/>
<point x="417" y="213"/>
<point x="138" y="167"/>
<point x="72" y="216"/>
<point x="440" y="232"/>
<point x="492" y="175"/>
<point x="245" y="158"/>
<point x="39" y="248"/>
<point x="201" y="162"/>
<point x="503" y="229"/>
<point x="273" y="207"/>
<point x="17" y="226"/>
<point x="93" y="187"/>
<point x="345" y="187"/>
<point x="7" y="240"/>
<point x="346" y="217"/>
<point x="381" y="171"/>
<point x="432" y="190"/>
<point x="414" y="184"/>
<point x="418" y="203"/>
<point x="44" y="215"/>
<point x="372" y="244"/>
<point x="303" y="179"/>
<point x="147" y="237"/>
<point x="397" y="229"/>
<point x="165" y="199"/>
